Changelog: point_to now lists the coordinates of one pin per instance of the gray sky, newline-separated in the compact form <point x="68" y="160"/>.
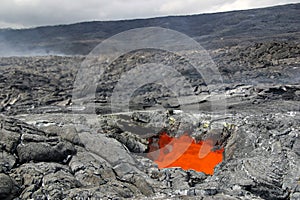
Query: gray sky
<point x="28" y="13"/>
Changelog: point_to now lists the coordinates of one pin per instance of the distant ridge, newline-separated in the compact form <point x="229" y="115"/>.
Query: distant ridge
<point x="211" y="30"/>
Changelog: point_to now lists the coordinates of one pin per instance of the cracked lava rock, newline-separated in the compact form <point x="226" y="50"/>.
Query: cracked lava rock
<point x="47" y="151"/>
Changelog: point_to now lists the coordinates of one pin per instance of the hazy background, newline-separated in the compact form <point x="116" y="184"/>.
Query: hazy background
<point x="32" y="13"/>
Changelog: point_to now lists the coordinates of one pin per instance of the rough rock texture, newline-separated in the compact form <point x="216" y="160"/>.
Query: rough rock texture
<point x="7" y="187"/>
<point x="49" y="152"/>
<point x="260" y="162"/>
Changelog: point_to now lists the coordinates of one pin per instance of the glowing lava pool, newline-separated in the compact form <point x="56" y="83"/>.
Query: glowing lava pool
<point x="184" y="152"/>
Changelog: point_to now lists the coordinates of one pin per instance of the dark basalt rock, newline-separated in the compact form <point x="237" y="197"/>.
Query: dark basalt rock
<point x="34" y="151"/>
<point x="6" y="186"/>
<point x="47" y="152"/>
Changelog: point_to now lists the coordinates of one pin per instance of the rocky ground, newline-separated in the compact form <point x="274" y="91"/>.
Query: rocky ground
<point x="49" y="150"/>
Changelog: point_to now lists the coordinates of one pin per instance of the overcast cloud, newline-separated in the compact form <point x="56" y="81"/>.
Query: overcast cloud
<point x="28" y="13"/>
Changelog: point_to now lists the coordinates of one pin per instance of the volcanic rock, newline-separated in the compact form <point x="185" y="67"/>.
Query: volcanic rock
<point x="51" y="152"/>
<point x="54" y="146"/>
<point x="34" y="151"/>
<point x="6" y="187"/>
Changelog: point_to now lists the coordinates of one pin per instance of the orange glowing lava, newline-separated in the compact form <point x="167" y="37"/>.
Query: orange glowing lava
<point x="184" y="152"/>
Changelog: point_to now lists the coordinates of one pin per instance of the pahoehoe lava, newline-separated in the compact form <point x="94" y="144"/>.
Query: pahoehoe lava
<point x="47" y="151"/>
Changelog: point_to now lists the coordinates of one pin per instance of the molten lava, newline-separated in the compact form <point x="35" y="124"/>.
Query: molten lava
<point x="184" y="152"/>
